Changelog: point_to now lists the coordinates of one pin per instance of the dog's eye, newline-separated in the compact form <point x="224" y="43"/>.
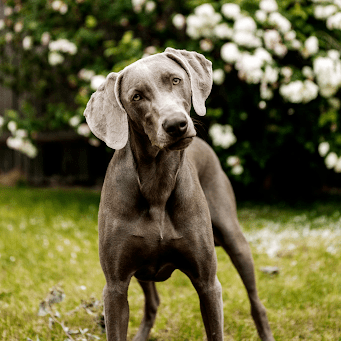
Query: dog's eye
<point x="137" y="97"/>
<point x="176" y="81"/>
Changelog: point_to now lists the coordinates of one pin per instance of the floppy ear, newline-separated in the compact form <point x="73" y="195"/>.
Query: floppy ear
<point x="199" y="71"/>
<point x="105" y="114"/>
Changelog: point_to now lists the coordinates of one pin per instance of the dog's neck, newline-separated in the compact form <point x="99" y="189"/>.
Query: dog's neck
<point x="156" y="169"/>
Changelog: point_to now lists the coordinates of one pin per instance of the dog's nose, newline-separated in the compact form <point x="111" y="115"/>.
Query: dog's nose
<point x="175" y="125"/>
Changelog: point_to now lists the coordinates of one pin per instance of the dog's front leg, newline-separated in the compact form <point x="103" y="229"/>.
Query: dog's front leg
<point x="116" y="310"/>
<point x="211" y="305"/>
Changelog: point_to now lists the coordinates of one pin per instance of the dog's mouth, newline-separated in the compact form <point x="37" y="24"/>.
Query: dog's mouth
<point x="181" y="144"/>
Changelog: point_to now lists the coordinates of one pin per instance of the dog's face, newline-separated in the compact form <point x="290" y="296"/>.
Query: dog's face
<point x="153" y="95"/>
<point x="156" y="94"/>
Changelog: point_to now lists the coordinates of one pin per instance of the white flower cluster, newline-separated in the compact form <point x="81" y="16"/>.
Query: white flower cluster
<point x="329" y="10"/>
<point x="331" y="160"/>
<point x="19" y="141"/>
<point x="149" y="6"/>
<point x="59" y="6"/>
<point x="57" y="46"/>
<point x="299" y="91"/>
<point x="83" y="129"/>
<point x="202" y="22"/>
<point x="222" y="135"/>
<point x="328" y="73"/>
<point x="235" y="163"/>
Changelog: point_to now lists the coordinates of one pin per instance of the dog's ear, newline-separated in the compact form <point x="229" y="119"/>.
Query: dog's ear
<point x="199" y="71"/>
<point x="105" y="114"/>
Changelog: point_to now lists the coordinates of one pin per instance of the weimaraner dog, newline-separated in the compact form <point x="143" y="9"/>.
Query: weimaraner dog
<point x="165" y="200"/>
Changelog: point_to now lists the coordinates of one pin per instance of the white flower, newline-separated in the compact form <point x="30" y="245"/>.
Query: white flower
<point x="14" y="143"/>
<point x="86" y="75"/>
<point x="74" y="121"/>
<point x="237" y="170"/>
<point x="331" y="160"/>
<point x="323" y="148"/>
<point x="249" y="68"/>
<point x="311" y="45"/>
<point x="218" y="76"/>
<point x="222" y="135"/>
<point x="94" y="142"/>
<point x="45" y="38"/>
<point x="8" y="37"/>
<point x="245" y="24"/>
<point x="59" y="6"/>
<point x="179" y="21"/>
<point x="206" y="44"/>
<point x="265" y="92"/>
<point x="2" y="24"/>
<point x="308" y="72"/>
<point x="63" y="45"/>
<point x="296" y="44"/>
<point x="229" y="52"/>
<point x="223" y="31"/>
<point x="23" y="145"/>
<point x="137" y="5"/>
<point x="202" y="22"/>
<point x="230" y="11"/>
<point x="21" y="133"/>
<point x="193" y="26"/>
<point x="310" y="91"/>
<point x="334" y="22"/>
<point x="280" y="22"/>
<point x="96" y="81"/>
<point x="337" y="167"/>
<point x="333" y="54"/>
<point x="232" y="160"/>
<point x="261" y="16"/>
<point x="8" y="11"/>
<point x="263" y="55"/>
<point x="55" y="58"/>
<point x="299" y="92"/>
<point x="27" y="43"/>
<point x="268" y="5"/>
<point x="84" y="130"/>
<point x="63" y="9"/>
<point x="56" y="5"/>
<point x="204" y="10"/>
<point x="271" y="39"/>
<point x="290" y="35"/>
<point x="246" y="39"/>
<point x="2" y="121"/>
<point x="29" y="149"/>
<point x="287" y="72"/>
<point x="12" y="126"/>
<point x="150" y="6"/>
<point x="324" y="12"/>
<point x="328" y="75"/>
<point x="18" y="26"/>
<point x="262" y="105"/>
<point x="270" y="74"/>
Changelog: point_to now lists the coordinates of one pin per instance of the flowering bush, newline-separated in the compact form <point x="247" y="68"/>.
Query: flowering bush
<point x="277" y="72"/>
<point x="55" y="53"/>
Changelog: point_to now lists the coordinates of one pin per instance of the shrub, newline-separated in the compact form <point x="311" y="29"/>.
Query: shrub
<point x="274" y="106"/>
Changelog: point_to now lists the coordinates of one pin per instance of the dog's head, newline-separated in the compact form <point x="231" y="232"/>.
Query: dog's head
<point x="156" y="93"/>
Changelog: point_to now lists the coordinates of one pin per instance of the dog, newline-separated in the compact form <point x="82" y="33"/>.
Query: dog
<point x="165" y="201"/>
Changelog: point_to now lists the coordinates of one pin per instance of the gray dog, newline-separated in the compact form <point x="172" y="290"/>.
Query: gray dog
<point x="165" y="201"/>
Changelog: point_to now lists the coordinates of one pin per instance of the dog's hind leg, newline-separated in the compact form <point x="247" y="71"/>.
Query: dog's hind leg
<point x="228" y="234"/>
<point x="152" y="302"/>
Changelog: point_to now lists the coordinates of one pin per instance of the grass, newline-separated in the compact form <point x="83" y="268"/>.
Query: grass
<point x="49" y="237"/>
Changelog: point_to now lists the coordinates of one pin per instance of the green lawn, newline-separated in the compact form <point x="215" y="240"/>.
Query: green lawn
<point x="49" y="238"/>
